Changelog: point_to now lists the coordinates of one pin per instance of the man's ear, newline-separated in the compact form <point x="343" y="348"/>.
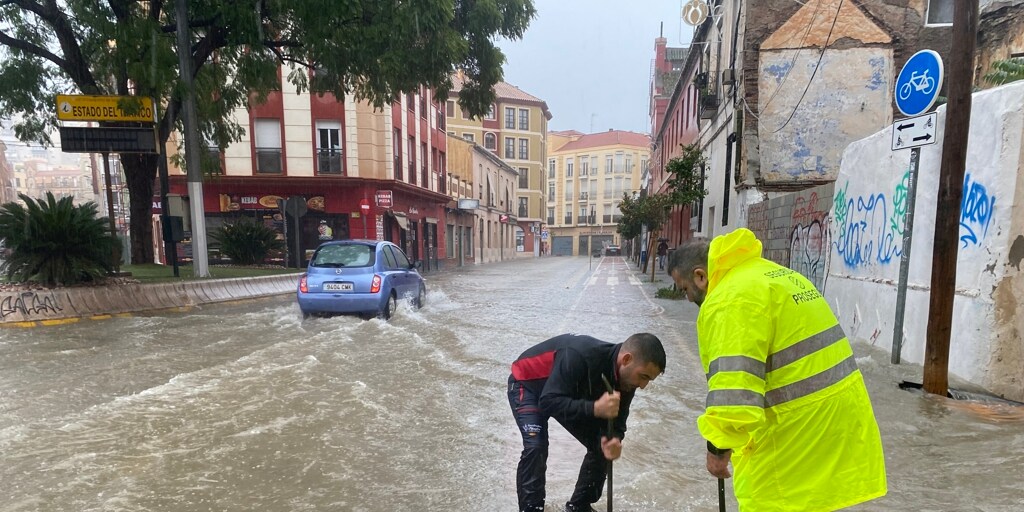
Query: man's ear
<point x="626" y="359"/>
<point x="700" y="278"/>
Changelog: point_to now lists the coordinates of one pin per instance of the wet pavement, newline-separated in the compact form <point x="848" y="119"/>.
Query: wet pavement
<point x="246" y="407"/>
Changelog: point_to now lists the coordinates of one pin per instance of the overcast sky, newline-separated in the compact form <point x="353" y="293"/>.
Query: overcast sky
<point x="590" y="60"/>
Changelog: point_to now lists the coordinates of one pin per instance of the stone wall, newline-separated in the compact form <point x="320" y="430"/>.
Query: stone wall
<point x="794" y="230"/>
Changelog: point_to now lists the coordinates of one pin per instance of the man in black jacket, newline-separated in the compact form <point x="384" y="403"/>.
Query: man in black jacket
<point x="561" y="378"/>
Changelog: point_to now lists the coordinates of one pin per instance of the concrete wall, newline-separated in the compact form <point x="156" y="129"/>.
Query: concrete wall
<point x="866" y="234"/>
<point x="794" y="230"/>
<point x="34" y="307"/>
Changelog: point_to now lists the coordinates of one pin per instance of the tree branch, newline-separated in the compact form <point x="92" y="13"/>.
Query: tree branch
<point x="32" y="49"/>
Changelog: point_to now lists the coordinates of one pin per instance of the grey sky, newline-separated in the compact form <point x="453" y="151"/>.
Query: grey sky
<point x="593" y="57"/>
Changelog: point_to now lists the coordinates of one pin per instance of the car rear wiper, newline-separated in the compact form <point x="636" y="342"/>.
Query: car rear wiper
<point x="330" y="265"/>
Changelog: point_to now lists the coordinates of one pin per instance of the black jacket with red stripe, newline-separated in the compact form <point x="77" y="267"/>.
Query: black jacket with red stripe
<point x="565" y="372"/>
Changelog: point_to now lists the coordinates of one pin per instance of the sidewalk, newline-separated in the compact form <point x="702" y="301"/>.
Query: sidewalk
<point x="51" y="306"/>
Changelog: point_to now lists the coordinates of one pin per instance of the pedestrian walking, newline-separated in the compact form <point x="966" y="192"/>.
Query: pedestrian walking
<point x="563" y="378"/>
<point x="662" y="253"/>
<point x="786" y="404"/>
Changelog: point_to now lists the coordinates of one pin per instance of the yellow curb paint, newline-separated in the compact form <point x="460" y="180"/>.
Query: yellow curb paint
<point x="100" y="317"/>
<point x="61" y="321"/>
<point x="19" y="324"/>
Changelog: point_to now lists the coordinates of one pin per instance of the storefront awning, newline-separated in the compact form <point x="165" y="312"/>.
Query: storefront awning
<point x="403" y="220"/>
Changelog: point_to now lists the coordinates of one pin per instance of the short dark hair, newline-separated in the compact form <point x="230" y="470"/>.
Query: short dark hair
<point x="690" y="255"/>
<point x="647" y="348"/>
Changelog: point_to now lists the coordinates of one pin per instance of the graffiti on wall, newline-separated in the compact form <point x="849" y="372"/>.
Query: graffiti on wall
<point x="866" y="234"/>
<point x="29" y="304"/>
<point x="976" y="209"/>
<point x="869" y="228"/>
<point x="808" y="240"/>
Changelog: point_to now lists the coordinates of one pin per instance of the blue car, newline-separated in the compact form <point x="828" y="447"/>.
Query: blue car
<point x="364" y="277"/>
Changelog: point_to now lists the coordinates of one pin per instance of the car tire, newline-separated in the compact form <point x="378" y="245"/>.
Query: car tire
<point x="389" y="307"/>
<point x="421" y="298"/>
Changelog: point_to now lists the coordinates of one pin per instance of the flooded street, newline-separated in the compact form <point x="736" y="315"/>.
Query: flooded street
<point x="245" y="407"/>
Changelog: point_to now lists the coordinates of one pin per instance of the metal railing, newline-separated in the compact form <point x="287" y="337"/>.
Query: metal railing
<point x="268" y="161"/>
<point x="329" y="162"/>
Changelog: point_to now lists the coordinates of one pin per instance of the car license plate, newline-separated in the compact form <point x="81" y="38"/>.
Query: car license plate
<point x="337" y="287"/>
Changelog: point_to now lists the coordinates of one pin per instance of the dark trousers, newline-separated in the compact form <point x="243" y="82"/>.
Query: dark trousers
<point x="533" y="463"/>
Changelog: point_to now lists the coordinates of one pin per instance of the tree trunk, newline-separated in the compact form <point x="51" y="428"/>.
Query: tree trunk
<point x="140" y="173"/>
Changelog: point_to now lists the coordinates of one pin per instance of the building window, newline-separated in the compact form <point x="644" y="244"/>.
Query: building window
<point x="469" y="136"/>
<point x="524" y="177"/>
<point x="568" y="166"/>
<point x="524" y="149"/>
<point x="510" y="148"/>
<point x="524" y="207"/>
<point x="940" y="12"/>
<point x="328" y="148"/>
<point x="629" y="164"/>
<point x="584" y="165"/>
<point x="412" y="160"/>
<point x="490" y="114"/>
<point x="424" y="173"/>
<point x="618" y="162"/>
<point x="397" y="143"/>
<point x="268" y="146"/>
<point x="551" y="192"/>
<point x="490" y="141"/>
<point x="568" y="190"/>
<point x="551" y="168"/>
<point x="551" y="216"/>
<point x="608" y="159"/>
<point x="450" y="111"/>
<point x="510" y="118"/>
<point x="524" y="119"/>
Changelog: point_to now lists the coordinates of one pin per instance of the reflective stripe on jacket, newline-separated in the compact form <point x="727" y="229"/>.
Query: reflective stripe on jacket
<point x="784" y="393"/>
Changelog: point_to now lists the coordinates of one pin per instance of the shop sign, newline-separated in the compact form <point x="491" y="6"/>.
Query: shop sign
<point x="384" y="198"/>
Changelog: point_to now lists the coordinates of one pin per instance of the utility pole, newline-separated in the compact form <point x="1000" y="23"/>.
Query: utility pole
<point x="200" y="264"/>
<point x="947" y="207"/>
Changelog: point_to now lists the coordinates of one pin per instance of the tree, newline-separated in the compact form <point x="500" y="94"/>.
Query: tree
<point x="1006" y="71"/>
<point x="370" y="49"/>
<point x="54" y="241"/>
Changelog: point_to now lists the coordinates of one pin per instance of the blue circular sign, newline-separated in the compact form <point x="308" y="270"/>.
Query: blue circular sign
<point x="919" y="82"/>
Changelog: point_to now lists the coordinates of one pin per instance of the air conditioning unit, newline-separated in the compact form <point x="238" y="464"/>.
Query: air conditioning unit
<point x="729" y="77"/>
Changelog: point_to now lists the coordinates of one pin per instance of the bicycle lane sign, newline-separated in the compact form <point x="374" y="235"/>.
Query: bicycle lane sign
<point x="918" y="83"/>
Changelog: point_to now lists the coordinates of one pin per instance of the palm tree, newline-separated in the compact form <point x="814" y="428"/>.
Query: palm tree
<point x="55" y="242"/>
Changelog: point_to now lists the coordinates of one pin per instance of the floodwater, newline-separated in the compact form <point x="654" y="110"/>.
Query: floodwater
<point x="245" y="407"/>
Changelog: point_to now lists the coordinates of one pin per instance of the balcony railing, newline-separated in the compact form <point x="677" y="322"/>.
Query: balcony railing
<point x="551" y="221"/>
<point x="581" y="219"/>
<point x="708" y="106"/>
<point x="268" y="161"/>
<point x="329" y="162"/>
<point x="584" y="196"/>
<point x="568" y="220"/>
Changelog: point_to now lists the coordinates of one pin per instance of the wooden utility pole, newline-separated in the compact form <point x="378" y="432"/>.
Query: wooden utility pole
<point x="947" y="207"/>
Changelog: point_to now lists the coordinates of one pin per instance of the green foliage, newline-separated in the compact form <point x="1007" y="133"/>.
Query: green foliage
<point x="670" y="293"/>
<point x="246" y="242"/>
<point x="1006" y="71"/>
<point x="55" y="242"/>
<point x="686" y="182"/>
<point x="371" y="50"/>
<point x="651" y="211"/>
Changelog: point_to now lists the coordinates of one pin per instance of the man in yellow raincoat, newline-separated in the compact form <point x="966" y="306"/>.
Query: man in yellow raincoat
<point x="786" y="403"/>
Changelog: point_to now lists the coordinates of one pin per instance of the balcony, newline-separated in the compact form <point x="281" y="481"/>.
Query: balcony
<point x="551" y="221"/>
<point x="584" y="196"/>
<point x="523" y="212"/>
<point x="329" y="162"/>
<point x="268" y="161"/>
<point x="708" y="105"/>
<point x="700" y="80"/>
<point x="568" y="220"/>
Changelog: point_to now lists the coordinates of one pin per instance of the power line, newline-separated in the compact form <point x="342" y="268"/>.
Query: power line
<point x="816" y="67"/>
<point x="792" y="62"/>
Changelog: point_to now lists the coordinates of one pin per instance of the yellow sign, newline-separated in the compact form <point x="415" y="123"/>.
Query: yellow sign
<point x="104" y="108"/>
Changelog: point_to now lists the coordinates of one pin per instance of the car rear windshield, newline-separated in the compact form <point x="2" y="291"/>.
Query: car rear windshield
<point x="337" y="256"/>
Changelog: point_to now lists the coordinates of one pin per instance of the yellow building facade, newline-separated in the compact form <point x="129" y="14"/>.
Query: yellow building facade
<point x="586" y="176"/>
<point x="515" y="130"/>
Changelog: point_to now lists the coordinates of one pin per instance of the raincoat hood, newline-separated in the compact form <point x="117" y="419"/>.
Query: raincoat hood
<point x="728" y="252"/>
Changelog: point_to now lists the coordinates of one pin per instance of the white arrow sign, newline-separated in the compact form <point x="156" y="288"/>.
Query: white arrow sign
<point x="914" y="131"/>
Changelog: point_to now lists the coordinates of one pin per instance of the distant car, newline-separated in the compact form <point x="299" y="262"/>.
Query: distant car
<point x="364" y="277"/>
<point x="612" y="250"/>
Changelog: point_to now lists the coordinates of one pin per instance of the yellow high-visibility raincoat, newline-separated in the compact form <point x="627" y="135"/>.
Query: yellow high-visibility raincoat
<point x="785" y="393"/>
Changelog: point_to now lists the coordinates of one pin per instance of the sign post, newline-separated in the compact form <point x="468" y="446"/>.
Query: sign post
<point x="364" y="210"/>
<point x="917" y="88"/>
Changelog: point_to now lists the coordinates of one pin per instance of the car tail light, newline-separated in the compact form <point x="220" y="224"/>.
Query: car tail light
<point x="375" y="285"/>
<point x="303" y="285"/>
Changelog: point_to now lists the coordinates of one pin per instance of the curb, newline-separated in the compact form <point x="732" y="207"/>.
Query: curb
<point x="46" y="307"/>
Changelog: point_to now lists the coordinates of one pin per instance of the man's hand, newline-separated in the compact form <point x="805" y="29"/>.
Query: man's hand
<point x="607" y="406"/>
<point x="718" y="465"/>
<point x="612" y="448"/>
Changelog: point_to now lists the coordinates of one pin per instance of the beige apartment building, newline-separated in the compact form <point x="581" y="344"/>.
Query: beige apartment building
<point x="489" y="185"/>
<point x="587" y="176"/>
<point x="515" y="130"/>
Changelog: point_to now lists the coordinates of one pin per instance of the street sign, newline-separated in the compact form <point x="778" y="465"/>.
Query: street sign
<point x="364" y="205"/>
<point x="695" y="12"/>
<point x="81" y="139"/>
<point x="918" y="83"/>
<point x="469" y="204"/>
<point x="76" y="107"/>
<point x="914" y="132"/>
<point x="384" y="198"/>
